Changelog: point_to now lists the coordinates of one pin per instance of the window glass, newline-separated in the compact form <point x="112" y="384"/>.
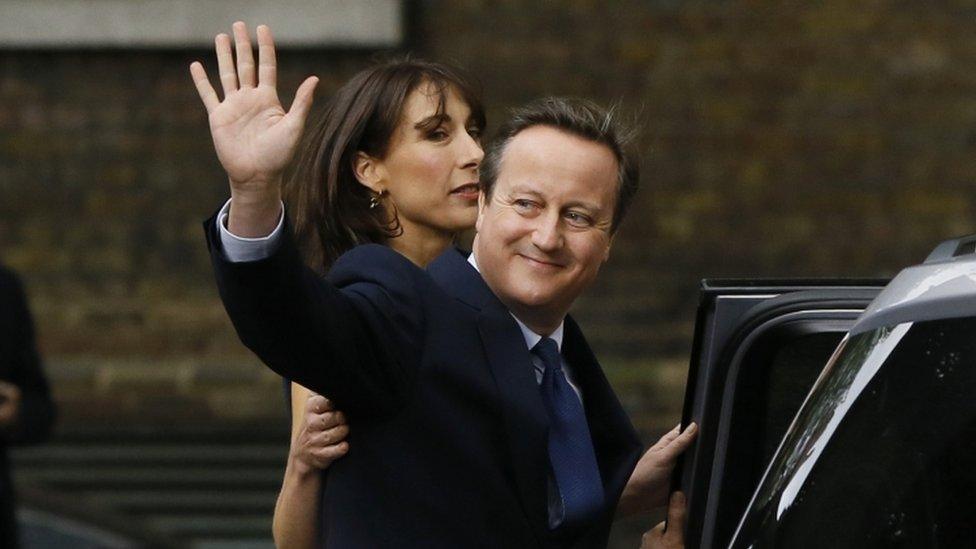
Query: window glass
<point x="791" y="373"/>
<point x="884" y="453"/>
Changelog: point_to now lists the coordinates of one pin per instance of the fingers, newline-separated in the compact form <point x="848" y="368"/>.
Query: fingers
<point x="684" y="440"/>
<point x="245" y="57"/>
<point x="668" y="437"/>
<point x="324" y="421"/>
<point x="303" y="101"/>
<point x="326" y="455"/>
<point x="225" y="64"/>
<point x="678" y="443"/>
<point x="330" y="437"/>
<point x="206" y="91"/>
<point x="267" y="63"/>
<point x="318" y="404"/>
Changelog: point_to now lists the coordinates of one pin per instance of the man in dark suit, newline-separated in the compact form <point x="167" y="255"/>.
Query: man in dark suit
<point x="26" y="410"/>
<point x="479" y="415"/>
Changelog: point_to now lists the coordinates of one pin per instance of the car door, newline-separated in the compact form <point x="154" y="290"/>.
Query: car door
<point x="758" y="348"/>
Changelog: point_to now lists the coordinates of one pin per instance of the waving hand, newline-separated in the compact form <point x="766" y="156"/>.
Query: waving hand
<point x="254" y="136"/>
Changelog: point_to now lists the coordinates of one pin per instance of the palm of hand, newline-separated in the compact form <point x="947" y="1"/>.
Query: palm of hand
<point x="252" y="134"/>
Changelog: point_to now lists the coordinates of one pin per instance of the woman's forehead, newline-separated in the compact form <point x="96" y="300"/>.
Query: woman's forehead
<point x="430" y="100"/>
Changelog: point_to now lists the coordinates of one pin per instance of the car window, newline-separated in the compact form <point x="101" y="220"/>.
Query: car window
<point x="790" y="375"/>
<point x="775" y="375"/>
<point x="883" y="454"/>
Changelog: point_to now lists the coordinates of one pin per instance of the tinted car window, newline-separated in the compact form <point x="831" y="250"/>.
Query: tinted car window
<point x="790" y="375"/>
<point x="884" y="452"/>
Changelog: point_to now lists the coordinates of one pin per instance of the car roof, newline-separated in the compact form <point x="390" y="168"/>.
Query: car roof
<point x="944" y="286"/>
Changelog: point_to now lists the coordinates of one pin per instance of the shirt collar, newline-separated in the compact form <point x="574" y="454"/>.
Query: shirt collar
<point x="531" y="338"/>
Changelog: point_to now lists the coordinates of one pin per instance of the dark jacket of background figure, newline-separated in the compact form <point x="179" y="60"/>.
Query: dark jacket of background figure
<point x="19" y="365"/>
<point x="448" y="434"/>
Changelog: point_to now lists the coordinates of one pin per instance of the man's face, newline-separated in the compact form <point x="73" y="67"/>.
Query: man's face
<point x="545" y="231"/>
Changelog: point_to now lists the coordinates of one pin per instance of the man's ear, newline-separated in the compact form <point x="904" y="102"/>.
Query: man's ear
<point x="606" y="253"/>
<point x="482" y="204"/>
<point x="368" y="171"/>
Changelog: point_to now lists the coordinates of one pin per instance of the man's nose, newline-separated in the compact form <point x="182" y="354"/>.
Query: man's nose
<point x="548" y="236"/>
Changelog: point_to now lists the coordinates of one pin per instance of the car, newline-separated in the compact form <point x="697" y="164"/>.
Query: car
<point x="837" y="413"/>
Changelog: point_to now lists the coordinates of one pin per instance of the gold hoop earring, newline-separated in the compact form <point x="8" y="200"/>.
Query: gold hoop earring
<point x="374" y="199"/>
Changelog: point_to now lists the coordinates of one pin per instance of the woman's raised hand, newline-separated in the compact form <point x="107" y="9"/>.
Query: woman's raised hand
<point x="254" y="137"/>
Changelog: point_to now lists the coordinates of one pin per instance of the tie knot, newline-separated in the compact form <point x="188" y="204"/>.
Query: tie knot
<point x="548" y="351"/>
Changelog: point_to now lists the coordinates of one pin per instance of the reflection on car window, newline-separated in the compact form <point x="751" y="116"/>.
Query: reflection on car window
<point x="883" y="454"/>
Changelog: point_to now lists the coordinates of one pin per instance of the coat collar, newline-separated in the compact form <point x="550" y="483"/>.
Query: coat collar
<point x="459" y="278"/>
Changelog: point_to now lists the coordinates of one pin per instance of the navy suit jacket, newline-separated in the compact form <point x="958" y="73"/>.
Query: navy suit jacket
<point x="448" y="434"/>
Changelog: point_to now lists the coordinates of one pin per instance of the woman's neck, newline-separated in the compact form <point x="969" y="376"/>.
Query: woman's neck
<point x="421" y="244"/>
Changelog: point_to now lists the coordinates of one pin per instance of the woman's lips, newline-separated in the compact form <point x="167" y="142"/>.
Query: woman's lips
<point x="469" y="191"/>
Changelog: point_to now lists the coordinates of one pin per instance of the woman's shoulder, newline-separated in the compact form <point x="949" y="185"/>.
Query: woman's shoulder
<point x="375" y="263"/>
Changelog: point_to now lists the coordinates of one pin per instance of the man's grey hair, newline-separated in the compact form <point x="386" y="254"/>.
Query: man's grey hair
<point x="578" y="117"/>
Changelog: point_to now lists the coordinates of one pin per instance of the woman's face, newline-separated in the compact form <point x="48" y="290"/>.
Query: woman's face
<point x="431" y="167"/>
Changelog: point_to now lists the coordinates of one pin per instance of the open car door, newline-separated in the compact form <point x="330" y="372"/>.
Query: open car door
<point x="758" y="348"/>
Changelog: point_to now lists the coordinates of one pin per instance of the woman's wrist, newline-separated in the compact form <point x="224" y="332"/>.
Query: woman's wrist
<point x="299" y="468"/>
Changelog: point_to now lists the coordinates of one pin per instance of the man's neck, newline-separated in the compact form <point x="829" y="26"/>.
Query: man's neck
<point x="544" y="326"/>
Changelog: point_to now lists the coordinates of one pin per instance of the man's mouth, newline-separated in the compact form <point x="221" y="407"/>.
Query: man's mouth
<point x="540" y="262"/>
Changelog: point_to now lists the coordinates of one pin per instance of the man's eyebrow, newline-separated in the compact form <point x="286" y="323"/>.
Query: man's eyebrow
<point x="519" y="189"/>
<point x="593" y="208"/>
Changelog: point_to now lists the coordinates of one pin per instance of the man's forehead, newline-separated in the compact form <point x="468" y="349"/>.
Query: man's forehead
<point x="544" y="153"/>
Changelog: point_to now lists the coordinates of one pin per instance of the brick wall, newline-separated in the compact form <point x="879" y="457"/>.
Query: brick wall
<point x="831" y="140"/>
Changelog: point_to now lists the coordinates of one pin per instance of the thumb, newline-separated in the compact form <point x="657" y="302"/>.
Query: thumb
<point x="675" y="532"/>
<point x="303" y="101"/>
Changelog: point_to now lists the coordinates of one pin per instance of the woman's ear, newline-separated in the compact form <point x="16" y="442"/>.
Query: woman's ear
<point x="369" y="172"/>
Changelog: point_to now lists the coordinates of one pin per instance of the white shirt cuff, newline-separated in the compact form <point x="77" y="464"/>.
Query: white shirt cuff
<point x="238" y="249"/>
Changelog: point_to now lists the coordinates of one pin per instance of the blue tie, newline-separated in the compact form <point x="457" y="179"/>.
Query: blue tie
<point x="571" y="454"/>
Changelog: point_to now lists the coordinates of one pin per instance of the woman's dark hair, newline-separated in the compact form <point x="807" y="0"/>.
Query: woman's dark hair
<point x="328" y="207"/>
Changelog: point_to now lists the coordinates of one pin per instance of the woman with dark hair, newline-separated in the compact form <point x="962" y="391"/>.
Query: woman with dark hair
<point x="392" y="160"/>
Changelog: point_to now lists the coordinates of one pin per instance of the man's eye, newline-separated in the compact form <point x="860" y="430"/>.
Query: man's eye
<point x="523" y="205"/>
<point x="577" y="219"/>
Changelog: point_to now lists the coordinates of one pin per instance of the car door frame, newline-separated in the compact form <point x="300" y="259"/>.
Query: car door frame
<point x="732" y="317"/>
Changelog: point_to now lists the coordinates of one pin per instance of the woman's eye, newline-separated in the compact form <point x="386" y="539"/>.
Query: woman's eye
<point x="475" y="133"/>
<point x="438" y="135"/>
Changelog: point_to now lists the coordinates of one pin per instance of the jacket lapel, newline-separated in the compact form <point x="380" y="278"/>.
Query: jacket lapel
<point x="521" y="409"/>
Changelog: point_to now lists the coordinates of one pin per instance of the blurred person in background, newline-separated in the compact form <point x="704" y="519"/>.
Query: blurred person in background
<point x="26" y="410"/>
<point x="370" y="171"/>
